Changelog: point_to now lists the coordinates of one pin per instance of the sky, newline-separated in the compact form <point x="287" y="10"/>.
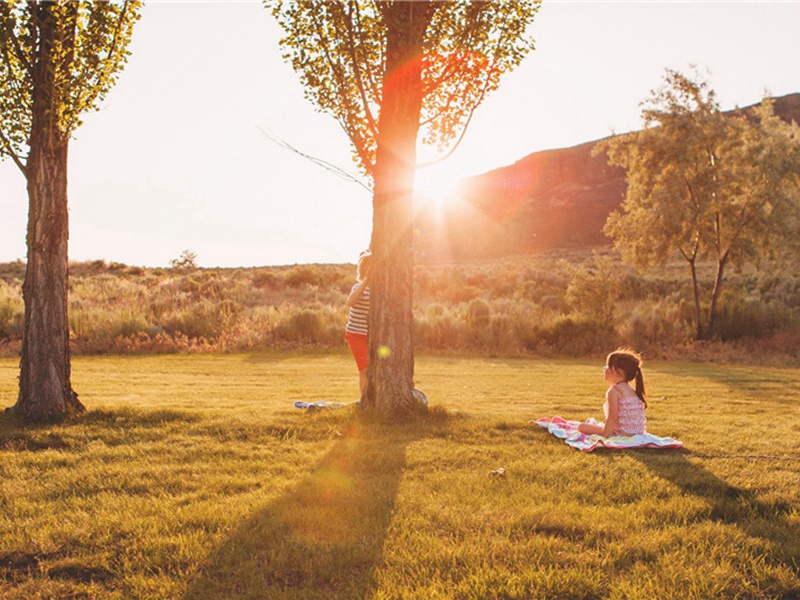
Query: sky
<point x="177" y="157"/>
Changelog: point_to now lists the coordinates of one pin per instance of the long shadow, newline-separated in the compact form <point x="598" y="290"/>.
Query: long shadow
<point x="728" y="504"/>
<point x="324" y="538"/>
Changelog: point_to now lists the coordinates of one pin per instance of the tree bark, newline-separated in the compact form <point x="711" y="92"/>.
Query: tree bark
<point x="698" y="315"/>
<point x="390" y="371"/>
<point x="45" y="390"/>
<point x="712" y="311"/>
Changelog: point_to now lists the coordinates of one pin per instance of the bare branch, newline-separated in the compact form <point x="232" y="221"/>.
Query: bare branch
<point x="14" y="156"/>
<point x="328" y="166"/>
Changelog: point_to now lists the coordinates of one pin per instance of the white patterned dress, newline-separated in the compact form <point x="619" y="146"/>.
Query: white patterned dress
<point x="630" y="416"/>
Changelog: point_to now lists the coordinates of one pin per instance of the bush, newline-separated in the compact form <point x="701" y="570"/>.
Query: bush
<point x="738" y="318"/>
<point x="302" y="275"/>
<point x="12" y="312"/>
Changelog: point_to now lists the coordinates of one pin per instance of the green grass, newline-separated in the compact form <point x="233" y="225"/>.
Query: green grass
<point x="194" y="477"/>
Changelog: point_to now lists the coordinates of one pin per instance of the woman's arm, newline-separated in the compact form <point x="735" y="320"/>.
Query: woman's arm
<point x="355" y="294"/>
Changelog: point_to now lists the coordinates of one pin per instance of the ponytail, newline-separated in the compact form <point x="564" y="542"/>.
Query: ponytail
<point x="640" y="387"/>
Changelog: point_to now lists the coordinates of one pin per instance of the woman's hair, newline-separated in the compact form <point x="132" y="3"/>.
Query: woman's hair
<point x="630" y="363"/>
<point x="364" y="264"/>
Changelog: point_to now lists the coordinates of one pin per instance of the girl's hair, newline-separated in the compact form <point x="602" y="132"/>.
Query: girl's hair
<point x="630" y="363"/>
<point x="364" y="264"/>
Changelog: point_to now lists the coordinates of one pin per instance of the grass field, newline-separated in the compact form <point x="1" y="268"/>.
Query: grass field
<point x="194" y="477"/>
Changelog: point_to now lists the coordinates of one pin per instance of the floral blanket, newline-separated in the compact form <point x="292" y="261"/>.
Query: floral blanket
<point x="568" y="431"/>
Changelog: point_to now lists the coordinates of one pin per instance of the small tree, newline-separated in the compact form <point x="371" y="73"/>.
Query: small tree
<point x="386" y="70"/>
<point x="187" y="260"/>
<point x="594" y="290"/>
<point x="705" y="185"/>
<point x="57" y="61"/>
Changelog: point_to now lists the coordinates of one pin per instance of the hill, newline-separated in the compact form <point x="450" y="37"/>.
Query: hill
<point x="548" y="200"/>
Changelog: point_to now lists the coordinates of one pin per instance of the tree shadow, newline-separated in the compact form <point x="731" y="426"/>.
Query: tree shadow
<point x="766" y="520"/>
<point x="322" y="539"/>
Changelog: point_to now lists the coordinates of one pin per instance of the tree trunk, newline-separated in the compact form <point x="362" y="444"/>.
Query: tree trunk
<point x="45" y="391"/>
<point x="698" y="315"/>
<point x="712" y="311"/>
<point x="390" y="371"/>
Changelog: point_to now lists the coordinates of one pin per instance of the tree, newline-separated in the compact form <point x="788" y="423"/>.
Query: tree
<point x="386" y="71"/>
<point x="57" y="61"/>
<point x="706" y="185"/>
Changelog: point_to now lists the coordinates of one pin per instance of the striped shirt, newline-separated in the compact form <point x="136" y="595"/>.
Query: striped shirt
<point x="357" y="319"/>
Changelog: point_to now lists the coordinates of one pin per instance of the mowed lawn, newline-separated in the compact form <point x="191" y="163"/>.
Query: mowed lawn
<point x="195" y="477"/>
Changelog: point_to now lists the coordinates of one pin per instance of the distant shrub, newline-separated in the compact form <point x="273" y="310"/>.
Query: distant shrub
<point x="647" y="323"/>
<point x="738" y="318"/>
<point x="302" y="275"/>
<point x="478" y="313"/>
<point x="594" y="290"/>
<point x="12" y="312"/>
<point x="266" y="279"/>
<point x="312" y="325"/>
<point x="574" y="336"/>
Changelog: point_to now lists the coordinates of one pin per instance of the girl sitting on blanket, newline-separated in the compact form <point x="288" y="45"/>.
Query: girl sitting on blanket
<point x="624" y="405"/>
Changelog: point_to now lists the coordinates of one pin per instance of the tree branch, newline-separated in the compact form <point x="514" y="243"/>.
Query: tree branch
<point x="10" y="151"/>
<point x="357" y="70"/>
<point x="328" y="166"/>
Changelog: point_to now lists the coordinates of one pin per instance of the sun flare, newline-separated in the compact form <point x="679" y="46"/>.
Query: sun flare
<point x="435" y="193"/>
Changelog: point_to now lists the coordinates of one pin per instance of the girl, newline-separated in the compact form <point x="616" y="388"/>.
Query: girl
<point x="624" y="405"/>
<point x="356" y="329"/>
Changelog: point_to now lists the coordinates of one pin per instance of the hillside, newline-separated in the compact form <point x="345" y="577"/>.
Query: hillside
<point x="547" y="200"/>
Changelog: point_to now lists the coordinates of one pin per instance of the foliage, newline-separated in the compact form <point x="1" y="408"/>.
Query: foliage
<point x="194" y="477"/>
<point x="705" y="185"/>
<point x="90" y="49"/>
<point x="596" y="290"/>
<point x="338" y="49"/>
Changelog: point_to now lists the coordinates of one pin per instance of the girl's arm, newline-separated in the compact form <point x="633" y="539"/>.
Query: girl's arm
<point x="613" y="412"/>
<point x="612" y="396"/>
<point x="355" y="294"/>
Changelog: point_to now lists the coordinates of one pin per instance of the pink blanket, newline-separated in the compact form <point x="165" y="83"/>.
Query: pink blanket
<point x="568" y="431"/>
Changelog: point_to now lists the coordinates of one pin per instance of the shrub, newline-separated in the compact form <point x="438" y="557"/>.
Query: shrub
<point x="302" y="275"/>
<point x="739" y="317"/>
<point x="594" y="291"/>
<point x="12" y="312"/>
<point x="575" y="336"/>
<point x="478" y="313"/>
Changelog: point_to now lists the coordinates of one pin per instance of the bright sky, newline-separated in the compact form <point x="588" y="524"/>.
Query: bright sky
<point x="176" y="158"/>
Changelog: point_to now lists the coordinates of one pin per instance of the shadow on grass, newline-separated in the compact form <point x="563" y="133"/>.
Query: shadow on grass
<point x="728" y="504"/>
<point x="69" y="435"/>
<point x="324" y="538"/>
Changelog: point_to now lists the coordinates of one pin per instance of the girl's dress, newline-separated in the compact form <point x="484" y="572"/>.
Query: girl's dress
<point x="630" y="416"/>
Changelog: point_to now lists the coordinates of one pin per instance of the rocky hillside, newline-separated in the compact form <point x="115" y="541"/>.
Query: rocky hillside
<point x="551" y="199"/>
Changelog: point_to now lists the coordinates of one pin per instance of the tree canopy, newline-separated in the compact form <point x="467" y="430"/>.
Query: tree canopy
<point x="339" y="51"/>
<point x="705" y="184"/>
<point x="88" y="48"/>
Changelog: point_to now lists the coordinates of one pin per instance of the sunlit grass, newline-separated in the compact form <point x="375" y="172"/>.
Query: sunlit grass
<point x="194" y="477"/>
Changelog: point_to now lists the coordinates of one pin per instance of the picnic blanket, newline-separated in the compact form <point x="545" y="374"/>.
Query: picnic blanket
<point x="568" y="431"/>
<point x="318" y="405"/>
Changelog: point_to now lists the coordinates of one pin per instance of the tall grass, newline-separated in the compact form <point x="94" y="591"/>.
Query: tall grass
<point x="193" y="477"/>
<point x="562" y="304"/>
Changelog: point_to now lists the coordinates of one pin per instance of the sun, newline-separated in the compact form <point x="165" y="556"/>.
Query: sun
<point x="435" y="193"/>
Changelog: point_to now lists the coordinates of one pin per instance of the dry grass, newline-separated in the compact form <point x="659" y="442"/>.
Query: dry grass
<point x="566" y="303"/>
